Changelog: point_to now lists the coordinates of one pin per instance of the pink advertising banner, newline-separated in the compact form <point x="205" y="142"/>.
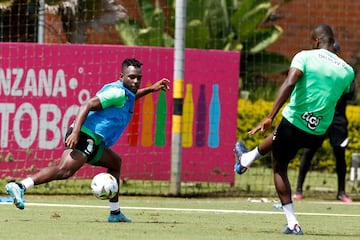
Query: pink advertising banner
<point x="42" y="87"/>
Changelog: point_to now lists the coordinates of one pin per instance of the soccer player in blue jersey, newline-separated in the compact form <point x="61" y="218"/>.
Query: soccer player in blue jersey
<point x="97" y="126"/>
<point x="316" y="80"/>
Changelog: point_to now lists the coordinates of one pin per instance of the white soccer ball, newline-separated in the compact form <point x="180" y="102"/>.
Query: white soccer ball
<point x="104" y="186"/>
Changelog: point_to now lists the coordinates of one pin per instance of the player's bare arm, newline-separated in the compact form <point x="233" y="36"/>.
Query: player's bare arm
<point x="284" y="93"/>
<point x="92" y="105"/>
<point x="162" y="84"/>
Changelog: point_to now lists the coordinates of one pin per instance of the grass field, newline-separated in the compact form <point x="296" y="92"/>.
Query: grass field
<point x="84" y="217"/>
<point x="256" y="182"/>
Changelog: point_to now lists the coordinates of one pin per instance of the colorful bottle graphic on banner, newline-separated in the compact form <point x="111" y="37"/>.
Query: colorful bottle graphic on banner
<point x="188" y="118"/>
<point x="200" y="138"/>
<point x="214" y="118"/>
<point x="133" y="133"/>
<point x="160" y="137"/>
<point x="147" y="120"/>
<point x="54" y="91"/>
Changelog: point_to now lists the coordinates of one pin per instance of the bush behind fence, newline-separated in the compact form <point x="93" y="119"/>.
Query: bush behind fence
<point x="251" y="113"/>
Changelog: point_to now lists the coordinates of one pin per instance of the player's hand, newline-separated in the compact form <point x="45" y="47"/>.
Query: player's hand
<point x="162" y="84"/>
<point x="72" y="140"/>
<point x="263" y="127"/>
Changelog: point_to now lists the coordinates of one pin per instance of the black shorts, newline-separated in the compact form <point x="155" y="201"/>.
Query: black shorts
<point x="288" y="139"/>
<point x="86" y="146"/>
<point x="337" y="133"/>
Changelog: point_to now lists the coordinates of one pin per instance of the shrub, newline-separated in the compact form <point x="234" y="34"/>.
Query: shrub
<point x="251" y="113"/>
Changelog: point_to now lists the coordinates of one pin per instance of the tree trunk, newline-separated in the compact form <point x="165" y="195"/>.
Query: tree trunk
<point x="77" y="16"/>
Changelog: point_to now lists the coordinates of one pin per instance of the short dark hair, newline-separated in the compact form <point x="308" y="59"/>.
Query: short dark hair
<point x="131" y="62"/>
<point x="325" y="33"/>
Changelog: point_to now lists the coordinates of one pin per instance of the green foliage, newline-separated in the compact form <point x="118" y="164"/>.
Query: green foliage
<point x="251" y="113"/>
<point x="241" y="25"/>
<point x="263" y="90"/>
<point x="246" y="19"/>
<point x="353" y="115"/>
<point x="197" y="30"/>
<point x="149" y="33"/>
<point x="53" y="2"/>
<point x="256" y="32"/>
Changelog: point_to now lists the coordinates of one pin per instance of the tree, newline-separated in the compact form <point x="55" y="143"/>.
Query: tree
<point x="248" y="26"/>
<point x="154" y="27"/>
<point x="77" y="16"/>
<point x="18" y="21"/>
<point x="19" y="18"/>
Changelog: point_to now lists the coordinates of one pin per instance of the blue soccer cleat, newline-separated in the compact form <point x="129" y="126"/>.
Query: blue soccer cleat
<point x="16" y="193"/>
<point x="296" y="231"/>
<point x="118" y="218"/>
<point x="239" y="150"/>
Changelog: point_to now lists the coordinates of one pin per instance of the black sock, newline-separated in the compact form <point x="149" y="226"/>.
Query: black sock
<point x="21" y="186"/>
<point x="116" y="212"/>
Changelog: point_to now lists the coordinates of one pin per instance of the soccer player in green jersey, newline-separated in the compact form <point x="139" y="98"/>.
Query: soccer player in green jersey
<point x="316" y="80"/>
<point x="337" y="134"/>
<point x="97" y="126"/>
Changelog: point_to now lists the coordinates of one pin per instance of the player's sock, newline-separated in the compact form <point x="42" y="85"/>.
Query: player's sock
<point x="290" y="215"/>
<point x="115" y="212"/>
<point x="248" y="158"/>
<point x="114" y="207"/>
<point x="27" y="183"/>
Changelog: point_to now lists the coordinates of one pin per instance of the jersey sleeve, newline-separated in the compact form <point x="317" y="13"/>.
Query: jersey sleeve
<point x="112" y="97"/>
<point x="298" y="61"/>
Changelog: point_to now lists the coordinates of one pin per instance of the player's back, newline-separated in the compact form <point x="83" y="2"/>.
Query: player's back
<point x="325" y="78"/>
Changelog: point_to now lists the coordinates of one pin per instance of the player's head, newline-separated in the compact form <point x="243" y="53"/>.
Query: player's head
<point x="131" y="62"/>
<point x="131" y="74"/>
<point x="323" y="37"/>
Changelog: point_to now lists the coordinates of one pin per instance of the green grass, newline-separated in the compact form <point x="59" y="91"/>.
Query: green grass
<point x="174" y="218"/>
<point x="256" y="182"/>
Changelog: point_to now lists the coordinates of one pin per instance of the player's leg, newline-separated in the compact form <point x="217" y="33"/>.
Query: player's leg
<point x="339" y="140"/>
<point x="339" y="153"/>
<point x="112" y="162"/>
<point x="71" y="160"/>
<point x="283" y="189"/>
<point x="245" y="158"/>
<point x="305" y="163"/>
<point x="284" y="148"/>
<point x="69" y="163"/>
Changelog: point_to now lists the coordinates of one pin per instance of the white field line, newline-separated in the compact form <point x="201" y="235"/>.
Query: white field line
<point x="190" y="210"/>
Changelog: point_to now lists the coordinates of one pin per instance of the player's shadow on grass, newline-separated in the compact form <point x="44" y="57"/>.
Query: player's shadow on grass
<point x="142" y="222"/>
<point x="160" y="222"/>
<point x="341" y="236"/>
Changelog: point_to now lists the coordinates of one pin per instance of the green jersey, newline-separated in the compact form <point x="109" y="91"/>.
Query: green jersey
<point x="325" y="78"/>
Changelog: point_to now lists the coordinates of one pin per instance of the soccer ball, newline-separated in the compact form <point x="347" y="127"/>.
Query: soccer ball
<point x="104" y="186"/>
